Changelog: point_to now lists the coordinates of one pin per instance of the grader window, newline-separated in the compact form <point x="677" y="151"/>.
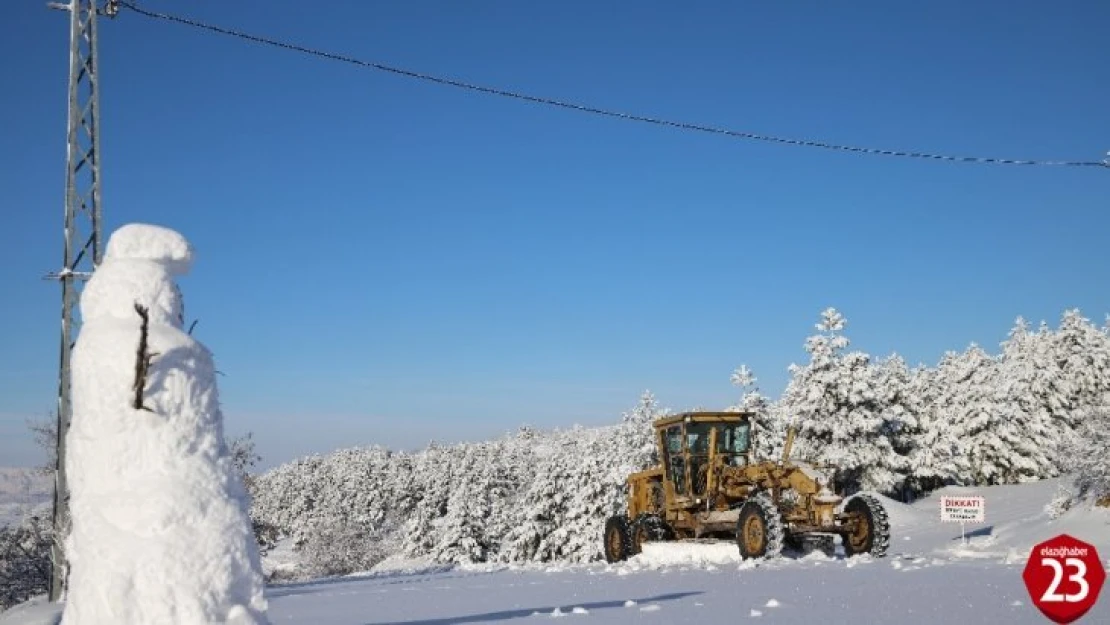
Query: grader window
<point x="735" y="442"/>
<point x="675" y="459"/>
<point x="697" y="444"/>
<point x="674" y="440"/>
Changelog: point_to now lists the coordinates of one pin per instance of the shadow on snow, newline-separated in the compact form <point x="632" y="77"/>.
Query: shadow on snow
<point x="976" y="533"/>
<point x="505" y="615"/>
<point x="274" y="591"/>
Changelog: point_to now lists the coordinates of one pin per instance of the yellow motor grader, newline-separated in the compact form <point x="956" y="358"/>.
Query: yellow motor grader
<point x="710" y="486"/>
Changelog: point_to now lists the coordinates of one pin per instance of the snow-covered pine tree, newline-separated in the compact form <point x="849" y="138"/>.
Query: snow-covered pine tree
<point x="1082" y="354"/>
<point x="902" y="402"/>
<point x="579" y="481"/>
<point x="805" y="393"/>
<point x="1089" y="454"/>
<point x="512" y="467"/>
<point x="989" y="446"/>
<point x="1035" y="404"/>
<point x="931" y="461"/>
<point x="595" y="488"/>
<point x="24" y="560"/>
<point x="639" y="436"/>
<point x="287" y="497"/>
<point x="837" y="410"/>
<point x="459" y="532"/>
<point x="542" y="505"/>
<point x="434" y="475"/>
<point x="337" y="546"/>
<point x="769" y="433"/>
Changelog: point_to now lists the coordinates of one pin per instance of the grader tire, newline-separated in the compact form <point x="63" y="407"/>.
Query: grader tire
<point x="805" y="544"/>
<point x="617" y="540"/>
<point x="649" y="528"/>
<point x="872" y="534"/>
<point x="759" y="530"/>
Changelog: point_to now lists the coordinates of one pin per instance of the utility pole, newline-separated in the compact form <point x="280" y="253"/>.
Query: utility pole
<point x="83" y="246"/>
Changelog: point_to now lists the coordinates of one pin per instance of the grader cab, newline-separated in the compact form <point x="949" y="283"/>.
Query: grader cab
<point x="710" y="485"/>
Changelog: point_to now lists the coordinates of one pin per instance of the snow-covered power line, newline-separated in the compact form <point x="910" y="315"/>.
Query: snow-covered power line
<point x="584" y="108"/>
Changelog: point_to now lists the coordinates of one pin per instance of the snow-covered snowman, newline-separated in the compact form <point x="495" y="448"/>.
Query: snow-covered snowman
<point x="160" y="530"/>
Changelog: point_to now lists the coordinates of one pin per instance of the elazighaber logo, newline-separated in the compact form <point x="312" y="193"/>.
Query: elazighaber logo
<point x="1064" y="576"/>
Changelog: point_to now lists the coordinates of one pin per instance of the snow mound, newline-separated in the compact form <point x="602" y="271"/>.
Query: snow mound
<point x="36" y="611"/>
<point x="898" y="513"/>
<point x="160" y="528"/>
<point x="1015" y="520"/>
<point x="688" y="554"/>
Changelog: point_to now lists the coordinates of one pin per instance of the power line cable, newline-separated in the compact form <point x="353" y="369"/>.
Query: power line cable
<point x="595" y="110"/>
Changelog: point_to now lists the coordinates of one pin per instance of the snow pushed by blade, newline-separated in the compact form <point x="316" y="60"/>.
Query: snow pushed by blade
<point x="160" y="529"/>
<point x="678" y="554"/>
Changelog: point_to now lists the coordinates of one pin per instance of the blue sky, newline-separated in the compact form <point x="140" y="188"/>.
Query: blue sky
<point x="387" y="261"/>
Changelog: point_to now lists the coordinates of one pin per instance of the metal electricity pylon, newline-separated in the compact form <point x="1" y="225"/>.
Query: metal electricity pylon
<point x="83" y="245"/>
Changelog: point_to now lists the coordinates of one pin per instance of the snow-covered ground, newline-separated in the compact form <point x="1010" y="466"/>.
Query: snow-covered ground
<point x="23" y="491"/>
<point x="929" y="576"/>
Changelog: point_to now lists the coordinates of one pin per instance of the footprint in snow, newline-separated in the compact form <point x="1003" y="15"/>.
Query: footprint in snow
<point x="650" y="608"/>
<point x="772" y="603"/>
<point x="755" y="613"/>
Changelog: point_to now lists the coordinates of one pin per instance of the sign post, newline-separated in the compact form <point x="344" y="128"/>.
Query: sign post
<point x="963" y="509"/>
<point x="1064" y="576"/>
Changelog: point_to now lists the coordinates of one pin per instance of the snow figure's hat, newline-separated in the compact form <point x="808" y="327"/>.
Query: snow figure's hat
<point x="154" y="243"/>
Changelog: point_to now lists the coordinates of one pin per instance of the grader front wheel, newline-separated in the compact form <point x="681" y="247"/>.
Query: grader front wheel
<point x="618" y="539"/>
<point x="759" y="530"/>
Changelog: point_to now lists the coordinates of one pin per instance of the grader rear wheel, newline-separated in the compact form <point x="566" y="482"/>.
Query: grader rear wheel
<point x="872" y="530"/>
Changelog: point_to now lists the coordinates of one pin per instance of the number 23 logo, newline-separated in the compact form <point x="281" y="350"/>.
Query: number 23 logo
<point x="1079" y="577"/>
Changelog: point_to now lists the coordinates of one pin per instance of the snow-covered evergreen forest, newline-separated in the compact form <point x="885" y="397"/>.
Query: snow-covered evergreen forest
<point x="1039" y="407"/>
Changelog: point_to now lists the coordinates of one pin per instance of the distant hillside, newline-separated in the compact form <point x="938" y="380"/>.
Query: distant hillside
<point x="23" y="490"/>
